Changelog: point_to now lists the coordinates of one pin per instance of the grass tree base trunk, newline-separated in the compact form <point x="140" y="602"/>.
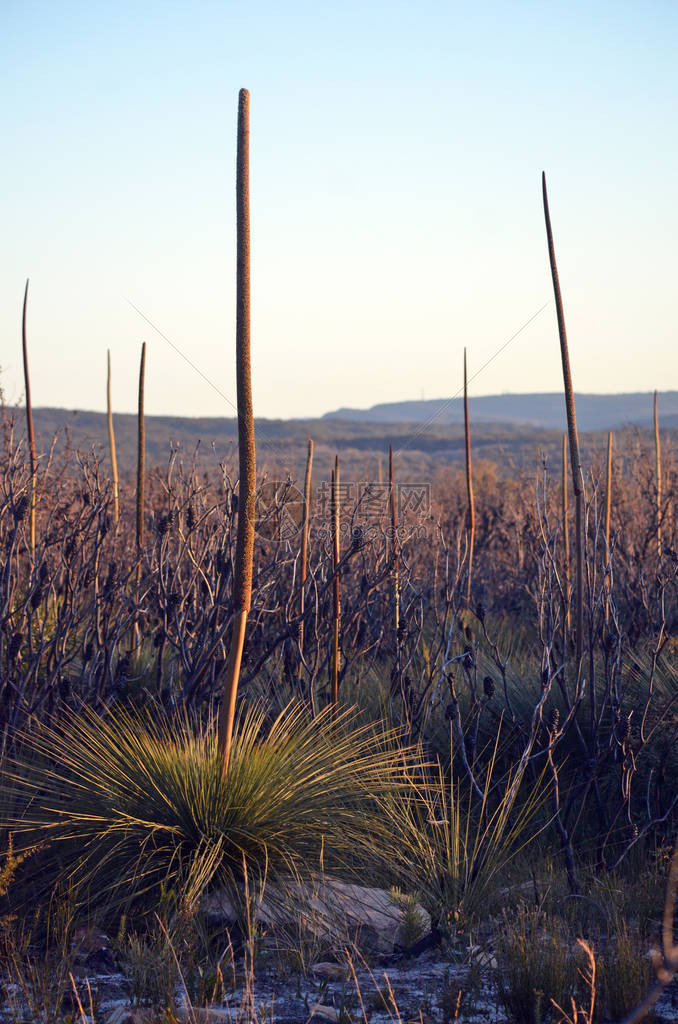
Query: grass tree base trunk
<point x="227" y="710"/>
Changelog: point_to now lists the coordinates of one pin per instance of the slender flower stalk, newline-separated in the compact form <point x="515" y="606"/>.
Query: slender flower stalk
<point x="29" y="424"/>
<point x="111" y="442"/>
<point x="608" y="509"/>
<point x="304" y="549"/>
<point x="566" y="548"/>
<point x="244" y="547"/>
<point x="469" y="488"/>
<point x="141" y="455"/>
<point x="575" y="460"/>
<point x="658" y="471"/>
<point x="394" y="546"/>
<point x="335" y="512"/>
<point x="141" y="470"/>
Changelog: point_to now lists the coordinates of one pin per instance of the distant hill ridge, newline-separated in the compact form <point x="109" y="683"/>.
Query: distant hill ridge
<point x="508" y="430"/>
<point x="546" y="411"/>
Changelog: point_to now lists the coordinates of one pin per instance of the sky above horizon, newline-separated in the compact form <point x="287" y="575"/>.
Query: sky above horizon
<point x="396" y="158"/>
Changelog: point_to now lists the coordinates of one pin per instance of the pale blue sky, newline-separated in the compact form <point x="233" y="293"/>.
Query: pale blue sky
<point x="396" y="157"/>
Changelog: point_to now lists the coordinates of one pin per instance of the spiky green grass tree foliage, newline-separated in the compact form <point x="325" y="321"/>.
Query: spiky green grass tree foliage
<point x="139" y="799"/>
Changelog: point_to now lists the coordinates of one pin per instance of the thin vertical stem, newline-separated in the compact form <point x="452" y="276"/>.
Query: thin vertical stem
<point x="304" y="549"/>
<point x="469" y="488"/>
<point x="577" y="475"/>
<point x="141" y="467"/>
<point x="608" y="509"/>
<point x="566" y="548"/>
<point x="335" y="510"/>
<point x="29" y="423"/>
<point x="111" y="441"/>
<point x="658" y="472"/>
<point x="394" y="545"/>
<point x="141" y="470"/>
<point x="244" y="546"/>
<point x="141" y="454"/>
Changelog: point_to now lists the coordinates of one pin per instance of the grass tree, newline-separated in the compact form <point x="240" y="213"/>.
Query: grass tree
<point x="137" y="800"/>
<point x="140" y="800"/>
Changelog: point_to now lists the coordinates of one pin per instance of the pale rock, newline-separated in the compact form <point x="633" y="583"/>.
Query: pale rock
<point x="330" y="909"/>
<point x="334" y="972"/>
<point x="328" y="1012"/>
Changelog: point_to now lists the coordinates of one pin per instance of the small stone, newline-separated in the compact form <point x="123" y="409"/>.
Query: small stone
<point x="203" y="1014"/>
<point x="328" y="1012"/>
<point x="330" y="970"/>
<point x="483" y="957"/>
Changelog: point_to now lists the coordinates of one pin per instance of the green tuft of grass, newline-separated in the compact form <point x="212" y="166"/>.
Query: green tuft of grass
<point x="455" y="845"/>
<point x="536" y="966"/>
<point x="625" y="973"/>
<point x="139" y="799"/>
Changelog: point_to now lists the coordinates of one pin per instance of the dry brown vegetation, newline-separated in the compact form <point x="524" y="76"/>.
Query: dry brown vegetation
<point x="427" y="696"/>
<point x="67" y="617"/>
<point x="602" y="741"/>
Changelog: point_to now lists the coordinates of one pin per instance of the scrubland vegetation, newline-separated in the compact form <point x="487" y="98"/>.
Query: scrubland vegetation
<point x="522" y="801"/>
